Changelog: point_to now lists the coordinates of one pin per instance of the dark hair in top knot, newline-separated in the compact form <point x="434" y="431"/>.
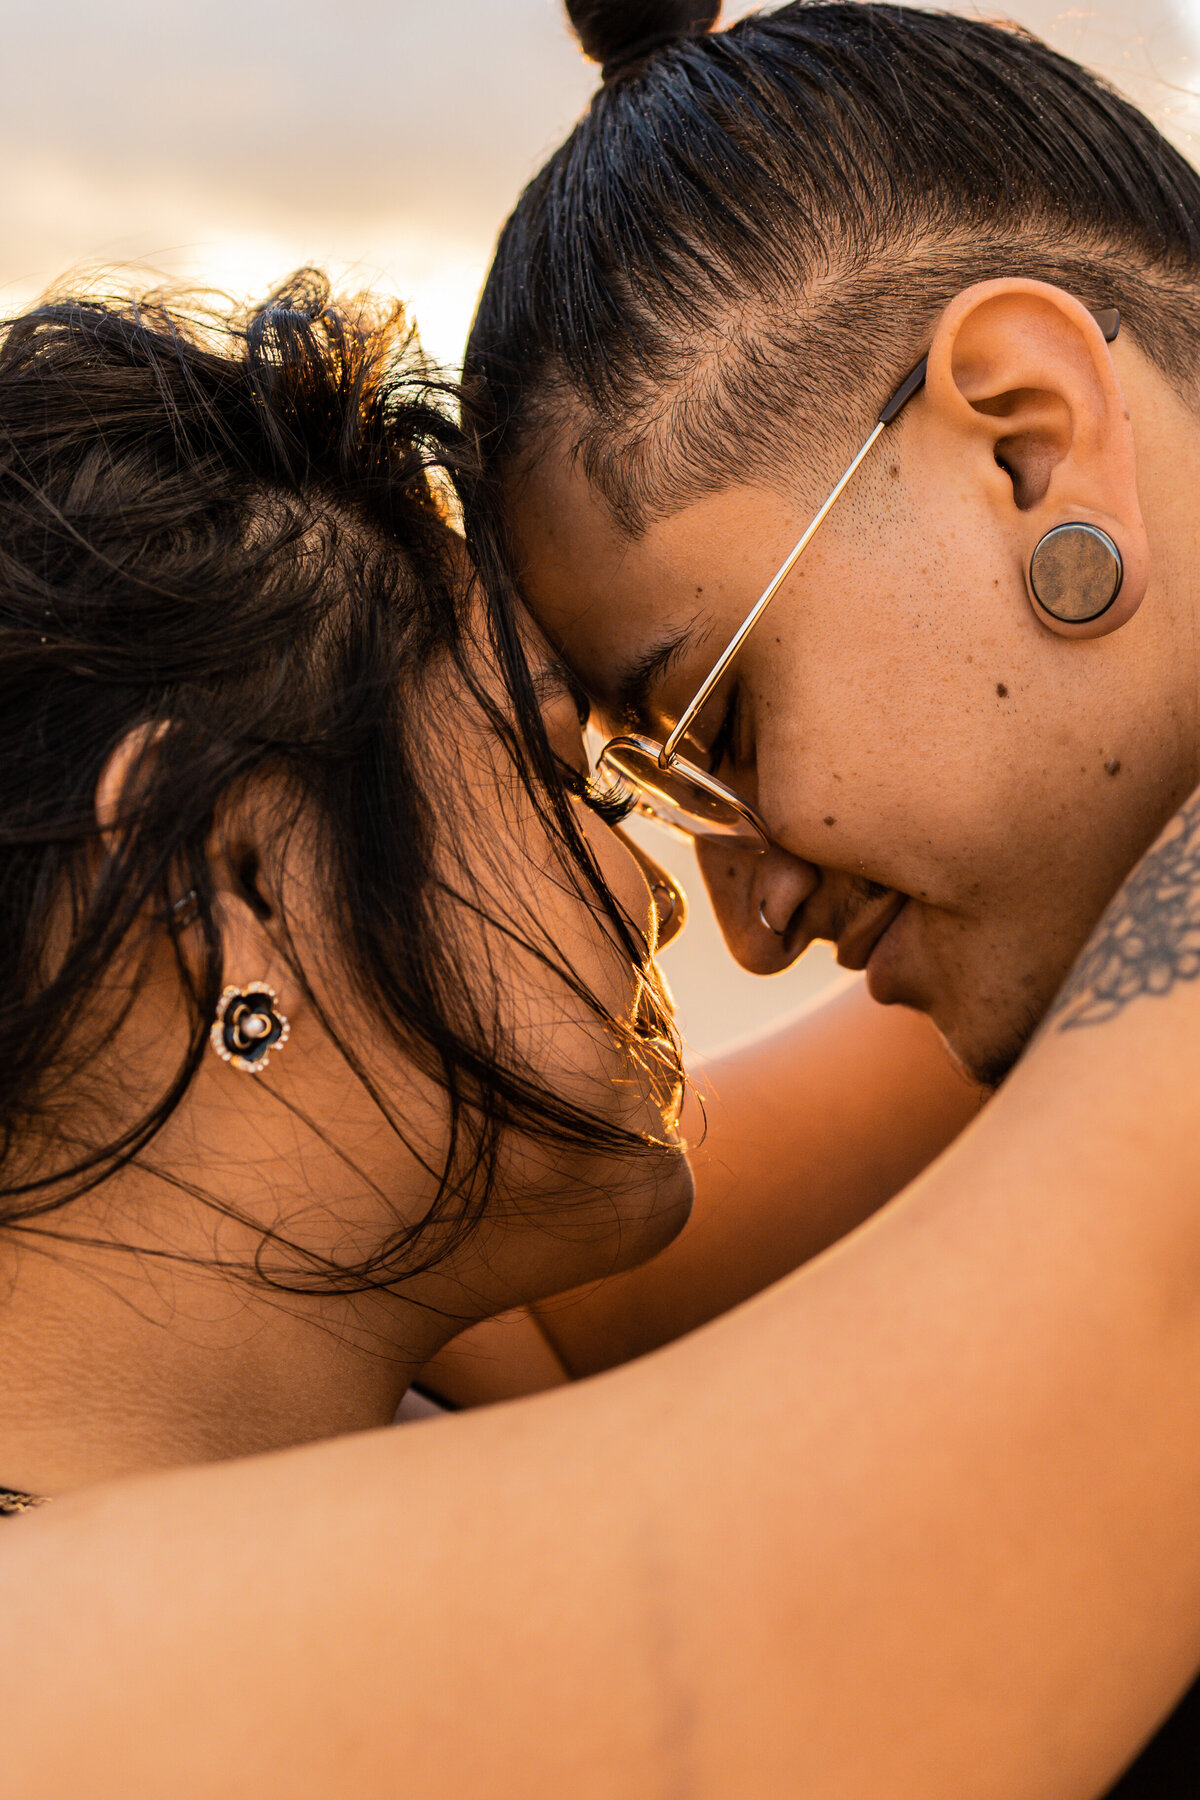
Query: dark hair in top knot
<point x="618" y="33"/>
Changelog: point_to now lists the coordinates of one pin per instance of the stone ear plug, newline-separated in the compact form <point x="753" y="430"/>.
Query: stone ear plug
<point x="248" y="1026"/>
<point x="1075" y="574"/>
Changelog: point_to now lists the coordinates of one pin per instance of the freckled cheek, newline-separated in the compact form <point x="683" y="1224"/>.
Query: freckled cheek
<point x="826" y="739"/>
<point x="852" y="789"/>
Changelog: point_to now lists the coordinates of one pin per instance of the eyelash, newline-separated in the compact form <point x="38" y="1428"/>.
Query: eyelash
<point x="609" y="804"/>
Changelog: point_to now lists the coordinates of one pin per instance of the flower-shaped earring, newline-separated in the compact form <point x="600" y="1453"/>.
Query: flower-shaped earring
<point x="248" y="1026"/>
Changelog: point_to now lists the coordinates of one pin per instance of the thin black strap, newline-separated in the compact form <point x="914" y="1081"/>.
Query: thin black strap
<point x="427" y="1393"/>
<point x="1169" y="1766"/>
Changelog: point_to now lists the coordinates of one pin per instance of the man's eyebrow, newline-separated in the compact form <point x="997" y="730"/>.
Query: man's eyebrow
<point x="634" y="684"/>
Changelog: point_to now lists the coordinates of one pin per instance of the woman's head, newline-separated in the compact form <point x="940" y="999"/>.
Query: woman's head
<point x="255" y="727"/>
<point x="695" y="313"/>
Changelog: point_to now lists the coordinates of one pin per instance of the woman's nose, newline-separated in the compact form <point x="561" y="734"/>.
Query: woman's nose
<point x="670" y="901"/>
<point x="671" y="905"/>
<point x="757" y="896"/>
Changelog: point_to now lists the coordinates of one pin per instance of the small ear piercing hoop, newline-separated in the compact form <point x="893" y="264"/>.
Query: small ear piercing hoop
<point x="186" y="910"/>
<point x="248" y="1026"/>
<point x="767" y="925"/>
<point x="1075" y="575"/>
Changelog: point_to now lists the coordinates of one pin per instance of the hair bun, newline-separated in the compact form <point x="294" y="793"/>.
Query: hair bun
<point x="615" y="32"/>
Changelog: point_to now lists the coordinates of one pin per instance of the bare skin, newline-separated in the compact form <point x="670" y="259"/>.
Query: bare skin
<point x="807" y="1132"/>
<point x="1013" y="1344"/>
<point x="918" y="1521"/>
<point x="926" y="734"/>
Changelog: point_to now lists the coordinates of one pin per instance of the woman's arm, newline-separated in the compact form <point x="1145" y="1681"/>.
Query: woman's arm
<point x="809" y="1130"/>
<point x="918" y="1522"/>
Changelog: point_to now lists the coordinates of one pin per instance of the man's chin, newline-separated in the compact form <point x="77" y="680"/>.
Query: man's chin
<point x="984" y="1054"/>
<point x="984" y="990"/>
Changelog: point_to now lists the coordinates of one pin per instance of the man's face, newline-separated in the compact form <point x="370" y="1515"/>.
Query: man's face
<point x="954" y="793"/>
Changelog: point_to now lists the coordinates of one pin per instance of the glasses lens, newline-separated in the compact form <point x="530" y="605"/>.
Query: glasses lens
<point x="678" y="795"/>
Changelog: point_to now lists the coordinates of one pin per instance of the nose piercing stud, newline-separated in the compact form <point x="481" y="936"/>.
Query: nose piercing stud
<point x="767" y="925"/>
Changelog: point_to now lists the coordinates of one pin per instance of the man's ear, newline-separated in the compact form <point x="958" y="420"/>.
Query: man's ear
<point x="1021" y="370"/>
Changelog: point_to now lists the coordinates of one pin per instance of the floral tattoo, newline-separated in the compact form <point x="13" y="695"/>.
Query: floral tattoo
<point x="1149" y="939"/>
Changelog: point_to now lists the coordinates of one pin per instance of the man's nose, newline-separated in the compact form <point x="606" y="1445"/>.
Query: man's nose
<point x="758" y="897"/>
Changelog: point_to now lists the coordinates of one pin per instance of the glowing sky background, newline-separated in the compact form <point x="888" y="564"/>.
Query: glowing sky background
<point x="386" y="141"/>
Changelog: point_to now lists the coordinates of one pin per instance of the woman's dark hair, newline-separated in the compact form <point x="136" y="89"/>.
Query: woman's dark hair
<point x="749" y="232"/>
<point x="227" y="535"/>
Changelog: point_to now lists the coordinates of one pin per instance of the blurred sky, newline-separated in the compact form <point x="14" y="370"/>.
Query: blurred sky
<point x="384" y="139"/>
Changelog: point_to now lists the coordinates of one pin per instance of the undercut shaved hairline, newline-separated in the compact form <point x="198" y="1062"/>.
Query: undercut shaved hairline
<point x="799" y="376"/>
<point x="743" y="245"/>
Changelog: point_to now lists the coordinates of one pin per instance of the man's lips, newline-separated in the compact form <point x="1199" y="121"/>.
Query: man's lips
<point x="858" y="939"/>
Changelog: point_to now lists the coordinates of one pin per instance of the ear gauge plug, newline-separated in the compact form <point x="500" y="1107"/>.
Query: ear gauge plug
<point x="1075" y="578"/>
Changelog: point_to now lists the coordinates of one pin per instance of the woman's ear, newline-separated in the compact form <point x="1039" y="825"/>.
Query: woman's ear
<point x="246" y="907"/>
<point x="1021" y="370"/>
<point x="126" y="776"/>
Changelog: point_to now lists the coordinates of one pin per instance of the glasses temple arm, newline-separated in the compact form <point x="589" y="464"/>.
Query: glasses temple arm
<point x="1109" y="320"/>
<point x="751" y="620"/>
